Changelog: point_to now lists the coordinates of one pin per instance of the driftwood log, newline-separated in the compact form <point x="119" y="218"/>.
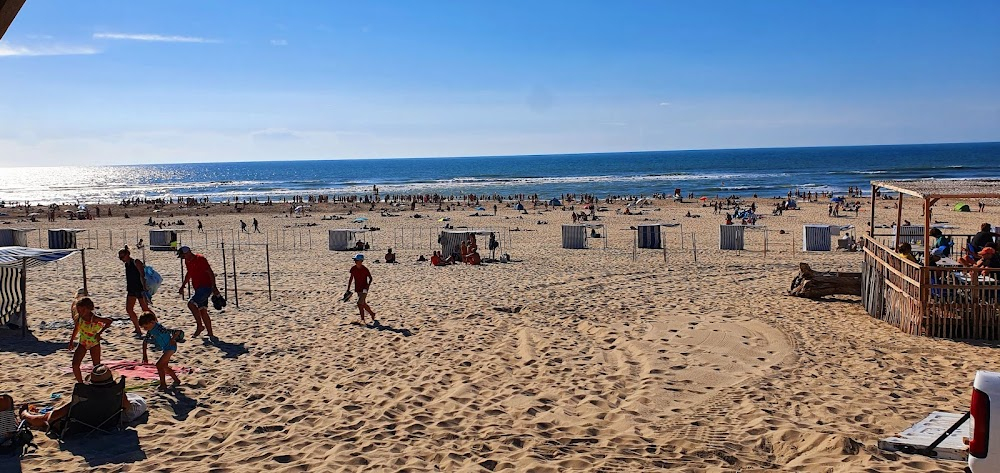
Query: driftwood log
<point x="814" y="285"/>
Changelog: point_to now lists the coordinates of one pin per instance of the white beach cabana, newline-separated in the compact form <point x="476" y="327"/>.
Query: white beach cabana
<point x="14" y="236"/>
<point x="345" y="239"/>
<point x="63" y="238"/>
<point x="166" y="239"/>
<point x="14" y="264"/>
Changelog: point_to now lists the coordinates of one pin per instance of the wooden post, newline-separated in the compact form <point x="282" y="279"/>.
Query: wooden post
<point x="236" y="287"/>
<point x="871" y="228"/>
<point x="24" y="296"/>
<point x="694" y="247"/>
<point x="182" y="279"/>
<point x="267" y="258"/>
<point x="899" y="220"/>
<point x="83" y="261"/>
<point x="225" y="276"/>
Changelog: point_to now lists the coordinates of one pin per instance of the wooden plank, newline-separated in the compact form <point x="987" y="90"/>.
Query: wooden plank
<point x="893" y="187"/>
<point x="8" y="10"/>
<point x="896" y="271"/>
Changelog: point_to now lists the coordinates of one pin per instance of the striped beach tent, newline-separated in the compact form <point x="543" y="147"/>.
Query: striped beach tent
<point x="648" y="236"/>
<point x="913" y="234"/>
<point x="817" y="237"/>
<point x="574" y="236"/>
<point x="63" y="238"/>
<point x="14" y="264"/>
<point x="14" y="236"/>
<point x="731" y="237"/>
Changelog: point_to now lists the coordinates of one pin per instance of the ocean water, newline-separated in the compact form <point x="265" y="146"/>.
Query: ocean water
<point x="766" y="172"/>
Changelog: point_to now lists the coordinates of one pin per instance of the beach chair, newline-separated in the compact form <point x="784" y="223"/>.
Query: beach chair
<point x="94" y="408"/>
<point x="14" y="436"/>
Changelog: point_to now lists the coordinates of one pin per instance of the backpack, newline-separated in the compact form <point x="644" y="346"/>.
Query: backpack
<point x="153" y="279"/>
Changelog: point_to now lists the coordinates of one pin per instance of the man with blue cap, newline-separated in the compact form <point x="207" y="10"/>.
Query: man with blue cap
<point x="362" y="279"/>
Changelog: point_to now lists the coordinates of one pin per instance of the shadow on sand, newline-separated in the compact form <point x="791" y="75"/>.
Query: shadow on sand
<point x="180" y="403"/>
<point x="387" y="328"/>
<point x="12" y="341"/>
<point x="229" y="350"/>
<point x="11" y="463"/>
<point x="100" y="449"/>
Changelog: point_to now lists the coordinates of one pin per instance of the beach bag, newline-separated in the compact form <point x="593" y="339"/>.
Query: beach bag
<point x="153" y="280"/>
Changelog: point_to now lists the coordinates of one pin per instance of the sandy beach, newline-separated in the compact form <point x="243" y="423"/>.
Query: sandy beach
<point x="561" y="360"/>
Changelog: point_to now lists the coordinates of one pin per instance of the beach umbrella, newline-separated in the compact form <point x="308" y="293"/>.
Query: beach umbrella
<point x="361" y="219"/>
<point x="837" y="199"/>
<point x="480" y="208"/>
<point x="703" y="198"/>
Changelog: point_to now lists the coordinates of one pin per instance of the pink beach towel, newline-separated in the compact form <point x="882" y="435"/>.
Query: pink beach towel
<point x="132" y="369"/>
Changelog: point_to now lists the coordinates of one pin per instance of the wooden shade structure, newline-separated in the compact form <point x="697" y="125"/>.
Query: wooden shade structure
<point x="8" y="10"/>
<point x="928" y="300"/>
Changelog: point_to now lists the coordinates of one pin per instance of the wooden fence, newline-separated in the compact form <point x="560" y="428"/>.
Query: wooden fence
<point x="946" y="302"/>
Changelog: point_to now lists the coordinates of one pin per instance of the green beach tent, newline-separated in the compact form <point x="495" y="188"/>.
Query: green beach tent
<point x="961" y="207"/>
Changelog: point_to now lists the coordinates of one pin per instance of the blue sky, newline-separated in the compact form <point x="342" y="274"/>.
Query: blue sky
<point x="115" y="82"/>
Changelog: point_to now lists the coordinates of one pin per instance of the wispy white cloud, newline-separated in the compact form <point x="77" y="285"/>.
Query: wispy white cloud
<point x="664" y="104"/>
<point x="279" y="42"/>
<point x="154" y="38"/>
<point x="9" y="50"/>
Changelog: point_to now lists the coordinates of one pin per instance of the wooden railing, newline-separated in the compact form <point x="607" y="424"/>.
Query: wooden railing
<point x="930" y="301"/>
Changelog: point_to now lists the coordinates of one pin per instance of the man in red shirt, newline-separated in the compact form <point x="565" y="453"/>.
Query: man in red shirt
<point x="202" y="278"/>
<point x="362" y="280"/>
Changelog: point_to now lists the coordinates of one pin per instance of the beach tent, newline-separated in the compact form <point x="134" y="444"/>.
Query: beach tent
<point x="574" y="236"/>
<point x="960" y="207"/>
<point x="167" y="239"/>
<point x="816" y="237"/>
<point x="451" y="239"/>
<point x="63" y="238"/>
<point x="731" y="237"/>
<point x="14" y="236"/>
<point x="519" y="206"/>
<point x="14" y="264"/>
<point x="648" y="236"/>
<point x="345" y="239"/>
<point x="913" y="234"/>
<point x="791" y="204"/>
<point x="555" y="203"/>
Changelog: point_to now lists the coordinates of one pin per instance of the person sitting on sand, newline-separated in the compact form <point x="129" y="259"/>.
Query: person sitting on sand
<point x="390" y="257"/>
<point x="100" y="376"/>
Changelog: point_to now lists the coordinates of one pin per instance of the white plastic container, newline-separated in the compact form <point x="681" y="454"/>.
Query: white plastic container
<point x="984" y="440"/>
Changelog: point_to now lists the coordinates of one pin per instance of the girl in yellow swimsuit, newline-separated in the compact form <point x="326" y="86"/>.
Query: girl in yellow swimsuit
<point x="89" y="326"/>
